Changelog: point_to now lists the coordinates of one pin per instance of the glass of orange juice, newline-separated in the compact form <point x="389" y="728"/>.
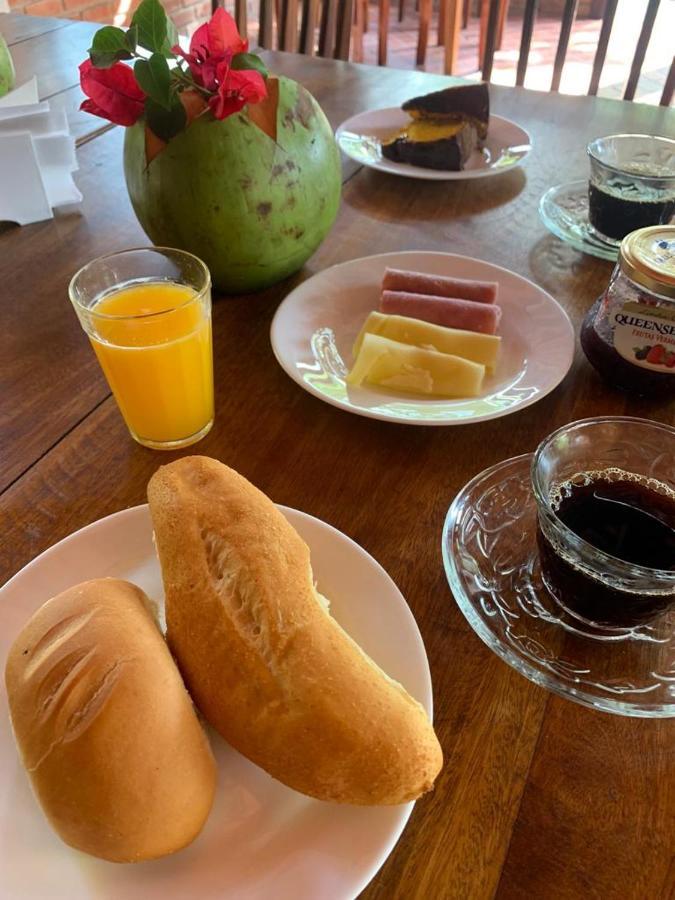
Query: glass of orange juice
<point x="147" y="313"/>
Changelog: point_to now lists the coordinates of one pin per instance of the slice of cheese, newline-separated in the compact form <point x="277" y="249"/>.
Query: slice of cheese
<point x="391" y="364"/>
<point x="479" y="348"/>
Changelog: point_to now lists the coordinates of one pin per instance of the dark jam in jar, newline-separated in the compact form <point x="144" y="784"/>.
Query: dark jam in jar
<point x="596" y="338"/>
<point x="628" y="334"/>
<point x="615" y="213"/>
<point x="627" y="516"/>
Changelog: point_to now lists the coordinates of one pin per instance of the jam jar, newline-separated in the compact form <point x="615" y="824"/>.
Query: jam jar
<point x="628" y="334"/>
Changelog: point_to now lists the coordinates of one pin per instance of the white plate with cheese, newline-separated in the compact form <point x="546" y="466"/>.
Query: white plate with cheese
<point x="315" y="327"/>
<point x="261" y="839"/>
<point x="360" y="137"/>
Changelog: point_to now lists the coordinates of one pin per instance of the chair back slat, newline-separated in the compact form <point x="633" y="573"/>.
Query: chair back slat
<point x="310" y="19"/>
<point x="669" y="86"/>
<point x="344" y="28"/>
<point x="266" y="24"/>
<point x="288" y="26"/>
<point x="569" y="14"/>
<point x="641" y="49"/>
<point x="240" y="16"/>
<point x="603" y="42"/>
<point x="529" y="15"/>
<point x="490" y="40"/>
<point x="328" y="27"/>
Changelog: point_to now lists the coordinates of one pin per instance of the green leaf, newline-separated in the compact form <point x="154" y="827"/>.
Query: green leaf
<point x="151" y="25"/>
<point x="108" y="47"/>
<point x="171" y="37"/>
<point x="249" y="61"/>
<point x="165" y="123"/>
<point x="132" y="38"/>
<point x="154" y="78"/>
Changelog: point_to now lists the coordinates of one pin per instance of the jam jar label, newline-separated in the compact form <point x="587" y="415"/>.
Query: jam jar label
<point x="645" y="336"/>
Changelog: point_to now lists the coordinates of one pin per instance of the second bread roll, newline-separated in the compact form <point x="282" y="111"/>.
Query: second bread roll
<point x="263" y="659"/>
<point x="105" y="727"/>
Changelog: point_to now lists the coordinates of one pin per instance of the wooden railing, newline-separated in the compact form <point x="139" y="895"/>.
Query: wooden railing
<point x="297" y="22"/>
<point x="568" y="16"/>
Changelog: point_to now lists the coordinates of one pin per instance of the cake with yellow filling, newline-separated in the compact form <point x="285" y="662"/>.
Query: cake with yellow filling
<point x="461" y="103"/>
<point x="446" y="127"/>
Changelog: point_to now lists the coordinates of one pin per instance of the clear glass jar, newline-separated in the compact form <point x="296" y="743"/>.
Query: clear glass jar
<point x="628" y="334"/>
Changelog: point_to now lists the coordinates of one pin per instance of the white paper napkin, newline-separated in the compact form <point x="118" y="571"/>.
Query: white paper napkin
<point x="37" y="157"/>
<point x="26" y="93"/>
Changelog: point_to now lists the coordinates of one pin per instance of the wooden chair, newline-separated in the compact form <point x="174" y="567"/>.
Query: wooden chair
<point x="567" y="22"/>
<point x="239" y="13"/>
<point x="336" y="28"/>
<point x="453" y="14"/>
<point x="502" y="10"/>
<point x="296" y="28"/>
<point x="360" y="27"/>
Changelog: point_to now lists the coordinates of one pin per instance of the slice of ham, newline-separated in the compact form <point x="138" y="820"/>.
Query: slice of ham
<point x="439" y="286"/>
<point x="449" y="311"/>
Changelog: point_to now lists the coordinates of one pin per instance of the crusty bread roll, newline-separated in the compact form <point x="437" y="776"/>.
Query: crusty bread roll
<point x="105" y="727"/>
<point x="263" y="659"/>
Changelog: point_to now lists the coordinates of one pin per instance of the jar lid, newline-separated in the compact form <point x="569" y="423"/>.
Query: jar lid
<point x="647" y="256"/>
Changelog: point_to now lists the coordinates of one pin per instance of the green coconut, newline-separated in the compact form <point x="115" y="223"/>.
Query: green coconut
<point x="254" y="209"/>
<point x="6" y="68"/>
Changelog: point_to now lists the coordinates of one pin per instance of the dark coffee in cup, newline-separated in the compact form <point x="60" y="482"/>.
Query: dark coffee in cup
<point x="627" y="516"/>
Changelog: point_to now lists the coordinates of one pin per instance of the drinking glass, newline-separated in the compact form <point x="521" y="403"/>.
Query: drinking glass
<point x="147" y="313"/>
<point x="599" y="587"/>
<point x="632" y="184"/>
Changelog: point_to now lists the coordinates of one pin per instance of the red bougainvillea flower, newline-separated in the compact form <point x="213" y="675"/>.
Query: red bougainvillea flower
<point x="213" y="43"/>
<point x="113" y="92"/>
<point x="236" y="89"/>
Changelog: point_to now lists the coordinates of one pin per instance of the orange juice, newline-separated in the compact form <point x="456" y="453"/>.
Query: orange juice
<point x="153" y="341"/>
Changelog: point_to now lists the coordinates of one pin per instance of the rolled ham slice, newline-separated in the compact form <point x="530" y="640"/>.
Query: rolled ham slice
<point x="439" y="286"/>
<point x="451" y="312"/>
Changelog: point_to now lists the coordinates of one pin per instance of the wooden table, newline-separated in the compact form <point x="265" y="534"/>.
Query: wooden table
<point x="539" y="797"/>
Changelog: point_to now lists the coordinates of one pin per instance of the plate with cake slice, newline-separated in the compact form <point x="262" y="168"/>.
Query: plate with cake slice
<point x="446" y="135"/>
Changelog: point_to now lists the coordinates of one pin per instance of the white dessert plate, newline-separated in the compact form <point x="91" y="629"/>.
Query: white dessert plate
<point x="314" y="329"/>
<point x="360" y="137"/>
<point x="262" y="839"/>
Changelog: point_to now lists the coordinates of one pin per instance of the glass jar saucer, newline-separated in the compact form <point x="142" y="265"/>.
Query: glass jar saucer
<point x="492" y="565"/>
<point x="564" y="211"/>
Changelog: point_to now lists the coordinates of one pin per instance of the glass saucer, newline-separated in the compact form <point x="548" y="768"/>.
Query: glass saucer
<point x="492" y="565"/>
<point x="564" y="211"/>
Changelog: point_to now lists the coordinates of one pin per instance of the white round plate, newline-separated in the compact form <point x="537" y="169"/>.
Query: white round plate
<point x="506" y="145"/>
<point x="314" y="329"/>
<point x="262" y="839"/>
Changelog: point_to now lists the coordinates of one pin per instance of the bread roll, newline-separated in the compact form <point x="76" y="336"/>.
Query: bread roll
<point x="263" y="659"/>
<point x="105" y="727"/>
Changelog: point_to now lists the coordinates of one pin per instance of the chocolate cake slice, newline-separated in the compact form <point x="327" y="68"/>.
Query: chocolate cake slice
<point x="432" y="144"/>
<point x="461" y="102"/>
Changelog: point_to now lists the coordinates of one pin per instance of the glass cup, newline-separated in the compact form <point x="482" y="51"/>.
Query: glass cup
<point x="586" y="581"/>
<point x="147" y="313"/>
<point x="632" y="184"/>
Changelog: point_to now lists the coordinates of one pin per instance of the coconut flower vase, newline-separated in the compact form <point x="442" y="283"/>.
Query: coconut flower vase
<point x="221" y="158"/>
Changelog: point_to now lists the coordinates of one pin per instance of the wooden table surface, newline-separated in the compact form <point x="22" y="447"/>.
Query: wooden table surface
<point x="539" y="797"/>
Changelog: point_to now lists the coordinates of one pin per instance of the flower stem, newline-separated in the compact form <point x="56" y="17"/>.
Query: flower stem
<point x="183" y="79"/>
